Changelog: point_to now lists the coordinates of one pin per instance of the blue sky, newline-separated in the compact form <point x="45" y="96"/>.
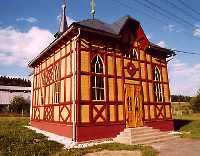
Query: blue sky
<point x="26" y="27"/>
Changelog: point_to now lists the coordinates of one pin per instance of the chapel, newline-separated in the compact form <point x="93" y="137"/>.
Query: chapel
<point x="97" y="79"/>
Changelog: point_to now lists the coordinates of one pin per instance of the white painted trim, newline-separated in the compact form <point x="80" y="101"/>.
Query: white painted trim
<point x="74" y="88"/>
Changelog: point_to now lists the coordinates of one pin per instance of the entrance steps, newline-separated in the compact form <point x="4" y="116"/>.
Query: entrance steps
<point x="142" y="135"/>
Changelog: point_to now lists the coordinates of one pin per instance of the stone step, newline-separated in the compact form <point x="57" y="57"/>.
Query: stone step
<point x="140" y="131"/>
<point x="142" y="135"/>
<point x="135" y="135"/>
<point x="137" y="129"/>
<point x="154" y="141"/>
<point x="149" y="138"/>
<point x="122" y="140"/>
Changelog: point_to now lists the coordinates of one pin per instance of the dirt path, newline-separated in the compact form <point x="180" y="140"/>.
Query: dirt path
<point x="178" y="147"/>
<point x="115" y="153"/>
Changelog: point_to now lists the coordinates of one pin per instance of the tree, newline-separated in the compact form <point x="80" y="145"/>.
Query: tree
<point x="180" y="98"/>
<point x="195" y="102"/>
<point x="19" y="105"/>
<point x="7" y="81"/>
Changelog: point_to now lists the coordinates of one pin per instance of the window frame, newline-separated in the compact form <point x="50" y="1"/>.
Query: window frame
<point x="158" y="90"/>
<point x="131" y="53"/>
<point x="97" y="88"/>
<point x="57" y="83"/>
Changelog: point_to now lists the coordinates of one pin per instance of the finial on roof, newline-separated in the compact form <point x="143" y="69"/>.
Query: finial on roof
<point x="63" y="21"/>
<point x="92" y="8"/>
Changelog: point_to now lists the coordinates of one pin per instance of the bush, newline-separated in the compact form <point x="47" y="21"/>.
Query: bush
<point x="195" y="102"/>
<point x="19" y="104"/>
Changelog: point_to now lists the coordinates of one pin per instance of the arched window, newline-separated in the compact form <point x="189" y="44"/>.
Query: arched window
<point x="157" y="85"/>
<point x="97" y="79"/>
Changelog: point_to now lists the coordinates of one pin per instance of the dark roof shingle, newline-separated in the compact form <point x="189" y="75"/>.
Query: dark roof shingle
<point x="97" y="24"/>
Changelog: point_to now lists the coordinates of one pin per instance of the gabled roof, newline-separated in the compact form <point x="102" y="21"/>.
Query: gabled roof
<point x="96" y="25"/>
<point x="119" y="24"/>
<point x="113" y="28"/>
<point x="161" y="49"/>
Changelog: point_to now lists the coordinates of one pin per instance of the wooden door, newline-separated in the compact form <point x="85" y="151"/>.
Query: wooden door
<point x="133" y="103"/>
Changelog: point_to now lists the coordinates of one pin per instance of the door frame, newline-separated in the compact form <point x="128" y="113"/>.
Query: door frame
<point x="138" y="122"/>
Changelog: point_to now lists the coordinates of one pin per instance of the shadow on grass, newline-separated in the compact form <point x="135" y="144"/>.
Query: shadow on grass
<point x="178" y="123"/>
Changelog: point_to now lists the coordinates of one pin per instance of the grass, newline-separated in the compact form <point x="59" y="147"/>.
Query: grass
<point x="192" y="117"/>
<point x="192" y="129"/>
<point x="17" y="140"/>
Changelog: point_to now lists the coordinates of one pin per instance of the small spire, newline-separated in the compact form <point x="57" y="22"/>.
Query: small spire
<point x="63" y="21"/>
<point x="92" y="8"/>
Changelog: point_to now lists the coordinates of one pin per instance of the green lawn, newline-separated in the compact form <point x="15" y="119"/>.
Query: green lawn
<point x="16" y="140"/>
<point x="195" y="116"/>
<point x="192" y="129"/>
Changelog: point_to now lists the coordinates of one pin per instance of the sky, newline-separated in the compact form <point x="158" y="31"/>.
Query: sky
<point x="27" y="27"/>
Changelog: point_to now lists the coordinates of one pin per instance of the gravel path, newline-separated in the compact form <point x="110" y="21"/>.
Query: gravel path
<point x="115" y="153"/>
<point x="178" y="147"/>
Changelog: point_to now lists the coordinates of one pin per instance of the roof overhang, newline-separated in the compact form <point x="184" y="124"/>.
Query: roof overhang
<point x="165" y="51"/>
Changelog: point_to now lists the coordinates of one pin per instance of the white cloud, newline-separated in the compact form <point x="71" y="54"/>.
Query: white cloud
<point x="172" y="28"/>
<point x="69" y="20"/>
<point x="196" y="32"/>
<point x="17" y="48"/>
<point x="27" y="19"/>
<point x="184" y="78"/>
<point x="161" y="44"/>
<point x="169" y="27"/>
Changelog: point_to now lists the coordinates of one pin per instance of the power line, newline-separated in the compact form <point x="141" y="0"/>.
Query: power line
<point x="143" y="12"/>
<point x="170" y="13"/>
<point x="181" y="9"/>
<point x="147" y="14"/>
<point x="186" y="52"/>
<point x="154" y="9"/>
<point x="189" y="7"/>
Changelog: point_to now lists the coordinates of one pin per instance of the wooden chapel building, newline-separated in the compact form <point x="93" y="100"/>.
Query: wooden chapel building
<point x="96" y="79"/>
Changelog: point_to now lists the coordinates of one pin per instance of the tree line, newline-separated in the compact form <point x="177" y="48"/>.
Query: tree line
<point x="194" y="101"/>
<point x="180" y="98"/>
<point x="8" y="81"/>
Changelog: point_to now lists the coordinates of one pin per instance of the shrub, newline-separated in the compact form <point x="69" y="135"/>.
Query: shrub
<point x="195" y="102"/>
<point x="19" y="104"/>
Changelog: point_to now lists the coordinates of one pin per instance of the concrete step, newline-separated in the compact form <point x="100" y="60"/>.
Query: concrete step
<point x="141" y="131"/>
<point x="138" y="133"/>
<point x="137" y="129"/>
<point x="122" y="140"/>
<point x="133" y="135"/>
<point x="150" y="134"/>
<point x="142" y="135"/>
<point x="149" y="138"/>
<point x="153" y="141"/>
